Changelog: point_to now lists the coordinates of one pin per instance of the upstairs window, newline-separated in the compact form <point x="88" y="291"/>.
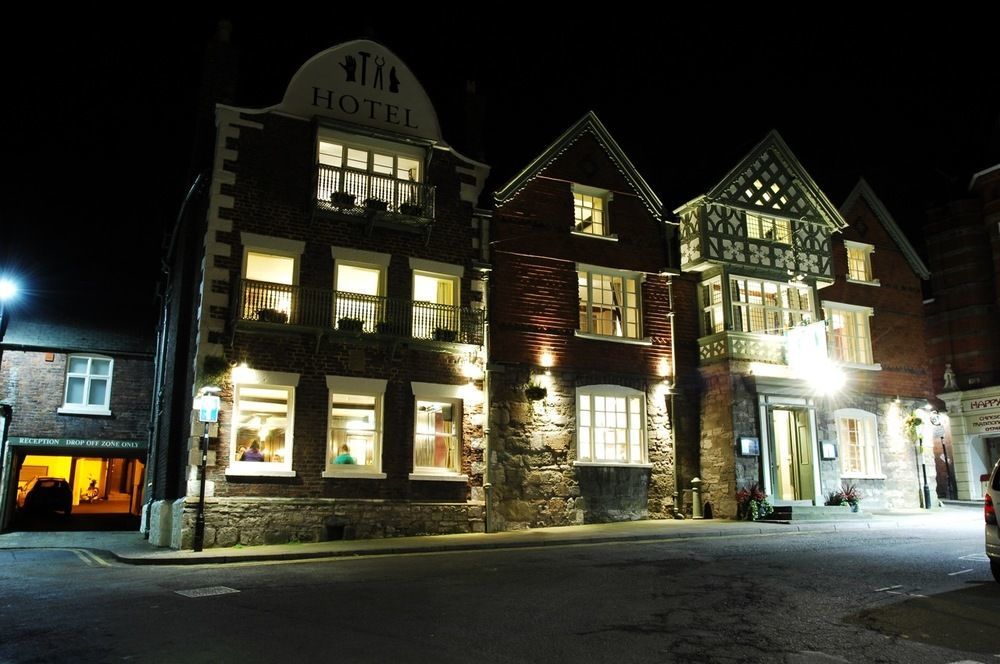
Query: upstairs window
<point x="769" y="228"/>
<point x="359" y="282"/>
<point x="770" y="307"/>
<point x="859" y="262"/>
<point x="270" y="275"/>
<point x="849" y="334"/>
<point x="359" y="173"/>
<point x="711" y="302"/>
<point x="88" y="385"/>
<point x="436" y="299"/>
<point x="609" y="303"/>
<point x="590" y="210"/>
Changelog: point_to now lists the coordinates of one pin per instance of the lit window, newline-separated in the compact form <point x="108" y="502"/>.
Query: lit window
<point x="609" y="303"/>
<point x="711" y="300"/>
<point x="359" y="282"/>
<point x="376" y="170"/>
<point x="849" y="335"/>
<point x="590" y="210"/>
<point x="354" y="445"/>
<point x="770" y="307"/>
<point x="769" y="228"/>
<point x="262" y="426"/>
<point x="611" y="424"/>
<point x="88" y="385"/>
<point x="857" y="435"/>
<point x="435" y="300"/>
<point x="270" y="273"/>
<point x="859" y="262"/>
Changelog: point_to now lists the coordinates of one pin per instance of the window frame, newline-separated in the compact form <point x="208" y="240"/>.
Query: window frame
<point x="780" y="228"/>
<point x="449" y="272"/>
<point x="278" y="247"/>
<point x="364" y="387"/>
<point x="742" y="311"/>
<point x="451" y="394"/>
<point x="606" y="197"/>
<point x="713" y="318"/>
<point x="85" y="408"/>
<point x="373" y="260"/>
<point x="860" y="344"/>
<point x="868" y="276"/>
<point x="637" y="277"/>
<point x="868" y="449"/>
<point x="585" y="440"/>
<point x="273" y="380"/>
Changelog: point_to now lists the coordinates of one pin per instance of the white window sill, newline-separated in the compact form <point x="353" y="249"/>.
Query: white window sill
<point x="862" y="282"/>
<point x="616" y="464"/>
<point x="647" y="341"/>
<point x="81" y="410"/>
<point x="241" y="471"/>
<point x="442" y="477"/>
<point x="354" y="475"/>
<point x="859" y="476"/>
<point x="610" y="238"/>
<point x="858" y="365"/>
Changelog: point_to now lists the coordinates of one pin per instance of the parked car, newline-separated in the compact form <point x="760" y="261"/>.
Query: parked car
<point x="992" y="501"/>
<point x="46" y="494"/>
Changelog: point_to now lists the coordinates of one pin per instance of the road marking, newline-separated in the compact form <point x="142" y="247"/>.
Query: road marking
<point x="207" y="592"/>
<point x="882" y="590"/>
<point x="982" y="557"/>
<point x="964" y="571"/>
<point x="90" y="559"/>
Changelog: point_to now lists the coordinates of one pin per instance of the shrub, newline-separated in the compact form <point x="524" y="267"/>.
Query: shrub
<point x="752" y="503"/>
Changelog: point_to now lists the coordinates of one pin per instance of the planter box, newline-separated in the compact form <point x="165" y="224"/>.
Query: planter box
<point x="342" y="199"/>
<point x="350" y="325"/>
<point x="444" y="334"/>
<point x="411" y="209"/>
<point x="376" y="204"/>
<point x="272" y="316"/>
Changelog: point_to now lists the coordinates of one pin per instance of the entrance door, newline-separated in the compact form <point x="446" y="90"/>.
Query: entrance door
<point x="792" y="454"/>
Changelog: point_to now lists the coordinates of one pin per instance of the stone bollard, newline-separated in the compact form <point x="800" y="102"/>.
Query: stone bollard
<point x="696" y="498"/>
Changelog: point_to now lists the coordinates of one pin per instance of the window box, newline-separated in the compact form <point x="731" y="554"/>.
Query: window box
<point x="376" y="204"/>
<point x="411" y="209"/>
<point x="272" y="316"/>
<point x="444" y="334"/>
<point x="355" y="325"/>
<point x="342" y="199"/>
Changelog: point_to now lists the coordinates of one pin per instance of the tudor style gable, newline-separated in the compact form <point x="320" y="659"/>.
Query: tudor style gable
<point x="767" y="214"/>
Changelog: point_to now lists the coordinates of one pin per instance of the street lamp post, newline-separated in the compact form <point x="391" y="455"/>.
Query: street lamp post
<point x="208" y="412"/>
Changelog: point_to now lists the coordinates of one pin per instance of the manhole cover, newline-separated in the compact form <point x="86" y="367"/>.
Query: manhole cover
<point x="207" y="592"/>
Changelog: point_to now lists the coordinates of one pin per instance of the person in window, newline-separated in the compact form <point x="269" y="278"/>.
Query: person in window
<point x="345" y="455"/>
<point x="252" y="453"/>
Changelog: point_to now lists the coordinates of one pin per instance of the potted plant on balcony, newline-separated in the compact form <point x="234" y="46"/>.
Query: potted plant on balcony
<point x="444" y="334"/>
<point x="376" y="204"/>
<point x="268" y="315"/>
<point x="411" y="209"/>
<point x="535" y="391"/>
<point x="342" y="199"/>
<point x="348" y="324"/>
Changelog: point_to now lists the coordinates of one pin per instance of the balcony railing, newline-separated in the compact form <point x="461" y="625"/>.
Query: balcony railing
<point x="353" y="313"/>
<point x="749" y="346"/>
<point x="352" y="191"/>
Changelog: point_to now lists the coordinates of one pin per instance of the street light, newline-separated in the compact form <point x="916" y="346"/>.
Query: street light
<point x="8" y="291"/>
<point x="207" y="405"/>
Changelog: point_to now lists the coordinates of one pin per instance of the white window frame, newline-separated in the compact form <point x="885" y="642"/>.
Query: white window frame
<point x="249" y="378"/>
<point x="273" y="246"/>
<point x="84" y="408"/>
<point x="442" y="393"/>
<point x="638" y="278"/>
<point x="713" y="319"/>
<point x="345" y="256"/>
<point x="744" y="314"/>
<point x="860" y="342"/>
<point x="586" y="451"/>
<point x="868" y="277"/>
<point x="596" y="193"/>
<point x="868" y="451"/>
<point x="366" y="387"/>
<point x="420" y="329"/>
<point x="759" y="225"/>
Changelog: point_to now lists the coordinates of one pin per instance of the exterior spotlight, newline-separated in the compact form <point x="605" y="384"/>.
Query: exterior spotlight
<point x="8" y="290"/>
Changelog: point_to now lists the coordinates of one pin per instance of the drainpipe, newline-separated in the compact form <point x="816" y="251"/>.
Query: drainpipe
<point x="6" y="412"/>
<point x="670" y="406"/>
<point x="488" y="472"/>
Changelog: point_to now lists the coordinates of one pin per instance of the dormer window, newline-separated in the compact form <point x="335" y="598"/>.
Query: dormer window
<point x="590" y="210"/>
<point x="859" y="262"/>
<point x="769" y="228"/>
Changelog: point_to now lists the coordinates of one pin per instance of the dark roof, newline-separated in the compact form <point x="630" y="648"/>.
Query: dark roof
<point x="77" y="334"/>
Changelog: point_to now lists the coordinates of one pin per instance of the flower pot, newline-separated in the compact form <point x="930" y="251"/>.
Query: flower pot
<point x="444" y="334"/>
<point x="350" y="325"/>
<point x="376" y="205"/>
<point x="342" y="199"/>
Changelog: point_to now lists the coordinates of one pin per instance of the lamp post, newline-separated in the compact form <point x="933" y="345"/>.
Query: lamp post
<point x="207" y="404"/>
<point x="8" y="291"/>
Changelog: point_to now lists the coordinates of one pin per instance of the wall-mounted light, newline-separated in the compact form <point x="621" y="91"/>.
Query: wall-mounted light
<point x="663" y="368"/>
<point x="471" y="370"/>
<point x="547" y="361"/>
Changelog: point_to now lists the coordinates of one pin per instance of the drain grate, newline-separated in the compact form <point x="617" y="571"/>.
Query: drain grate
<point x="207" y="592"/>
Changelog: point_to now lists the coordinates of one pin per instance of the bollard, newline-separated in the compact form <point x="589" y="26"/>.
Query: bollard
<point x="696" y="498"/>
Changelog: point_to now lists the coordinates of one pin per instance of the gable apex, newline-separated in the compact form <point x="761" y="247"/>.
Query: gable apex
<point x="863" y="190"/>
<point x="589" y="123"/>
<point x="770" y="179"/>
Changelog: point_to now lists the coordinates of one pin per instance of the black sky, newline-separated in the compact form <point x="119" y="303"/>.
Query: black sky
<point x="100" y="112"/>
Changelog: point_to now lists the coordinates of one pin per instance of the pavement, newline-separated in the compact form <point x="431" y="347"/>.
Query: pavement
<point x="133" y="548"/>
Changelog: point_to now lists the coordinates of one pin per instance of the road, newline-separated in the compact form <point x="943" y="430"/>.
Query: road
<point x="921" y="594"/>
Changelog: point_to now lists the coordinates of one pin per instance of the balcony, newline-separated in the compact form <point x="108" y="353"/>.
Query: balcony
<point x="363" y="194"/>
<point x="744" y="346"/>
<point x="277" y="306"/>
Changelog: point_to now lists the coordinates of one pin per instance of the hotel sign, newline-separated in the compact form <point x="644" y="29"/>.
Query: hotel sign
<point x="89" y="443"/>
<point x="985" y="423"/>
<point x="363" y="83"/>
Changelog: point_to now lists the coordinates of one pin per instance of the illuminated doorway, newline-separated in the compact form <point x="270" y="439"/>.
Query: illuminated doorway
<point x="791" y="455"/>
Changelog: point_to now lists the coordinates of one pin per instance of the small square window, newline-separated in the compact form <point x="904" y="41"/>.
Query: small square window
<point x="859" y="262"/>
<point x="590" y="210"/>
<point x="88" y="385"/>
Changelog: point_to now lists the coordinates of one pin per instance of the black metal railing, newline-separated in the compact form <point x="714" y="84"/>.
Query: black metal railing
<point x="350" y="190"/>
<point x="266" y="302"/>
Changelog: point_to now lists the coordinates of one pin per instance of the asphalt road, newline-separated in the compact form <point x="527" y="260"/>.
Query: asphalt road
<point x="893" y="595"/>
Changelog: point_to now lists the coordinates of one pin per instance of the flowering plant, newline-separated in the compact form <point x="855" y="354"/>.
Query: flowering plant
<point x="911" y="426"/>
<point x="752" y="503"/>
<point x="849" y="494"/>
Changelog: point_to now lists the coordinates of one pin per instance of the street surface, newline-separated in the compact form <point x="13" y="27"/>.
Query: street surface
<point x="914" y="595"/>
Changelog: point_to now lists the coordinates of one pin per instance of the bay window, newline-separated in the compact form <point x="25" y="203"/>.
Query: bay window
<point x="611" y="425"/>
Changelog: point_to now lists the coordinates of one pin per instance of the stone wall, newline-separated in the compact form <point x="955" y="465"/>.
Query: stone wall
<point x="718" y="469"/>
<point x="255" y="521"/>
<point x="533" y="449"/>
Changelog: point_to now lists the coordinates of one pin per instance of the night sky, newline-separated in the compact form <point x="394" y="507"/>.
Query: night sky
<point x="100" y="115"/>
